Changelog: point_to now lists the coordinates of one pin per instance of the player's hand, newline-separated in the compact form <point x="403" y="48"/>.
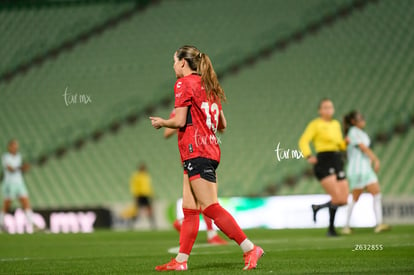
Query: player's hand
<point x="156" y="122"/>
<point x="347" y="140"/>
<point x="25" y="167"/>
<point x="312" y="160"/>
<point x="377" y="165"/>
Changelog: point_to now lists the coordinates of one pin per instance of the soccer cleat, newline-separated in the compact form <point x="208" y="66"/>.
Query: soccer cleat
<point x="251" y="257"/>
<point x="37" y="229"/>
<point x="177" y="225"/>
<point x="346" y="230"/>
<point x="382" y="227"/>
<point x="217" y="240"/>
<point x="315" y="209"/>
<point x="331" y="233"/>
<point x="172" y="265"/>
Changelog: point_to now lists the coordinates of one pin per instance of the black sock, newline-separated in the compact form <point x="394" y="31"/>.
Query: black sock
<point x="332" y="213"/>
<point x="317" y="207"/>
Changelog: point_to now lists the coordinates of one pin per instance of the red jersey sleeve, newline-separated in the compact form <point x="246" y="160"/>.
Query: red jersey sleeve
<point x="182" y="93"/>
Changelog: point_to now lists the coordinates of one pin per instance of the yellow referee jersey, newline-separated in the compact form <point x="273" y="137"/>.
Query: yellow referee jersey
<point x="325" y="136"/>
<point x="140" y="184"/>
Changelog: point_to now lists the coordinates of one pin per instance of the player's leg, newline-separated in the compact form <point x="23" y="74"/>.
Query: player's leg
<point x="5" y="209"/>
<point x="322" y="173"/>
<point x="208" y="222"/>
<point x="211" y="233"/>
<point x="212" y="236"/>
<point x="151" y="214"/>
<point x="341" y="198"/>
<point x="356" y="193"/>
<point x="338" y="190"/>
<point x="317" y="207"/>
<point x="9" y="193"/>
<point x="191" y="222"/>
<point x="189" y="229"/>
<point x="146" y="204"/>
<point x="25" y="203"/>
<point x="23" y="196"/>
<point x="180" y="217"/>
<point x="375" y="190"/>
<point x="328" y="185"/>
<point x="206" y="194"/>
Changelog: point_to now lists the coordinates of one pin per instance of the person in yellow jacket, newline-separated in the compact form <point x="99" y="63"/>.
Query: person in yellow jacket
<point x="141" y="189"/>
<point x="325" y="134"/>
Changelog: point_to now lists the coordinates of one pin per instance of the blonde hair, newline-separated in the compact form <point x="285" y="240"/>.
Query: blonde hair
<point x="201" y="63"/>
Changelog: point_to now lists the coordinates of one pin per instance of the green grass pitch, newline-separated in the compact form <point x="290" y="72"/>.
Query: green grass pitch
<point x="296" y="251"/>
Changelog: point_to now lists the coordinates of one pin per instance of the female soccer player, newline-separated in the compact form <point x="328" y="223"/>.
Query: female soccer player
<point x="326" y="135"/>
<point x="360" y="172"/>
<point x="198" y="115"/>
<point x="212" y="236"/>
<point x="13" y="183"/>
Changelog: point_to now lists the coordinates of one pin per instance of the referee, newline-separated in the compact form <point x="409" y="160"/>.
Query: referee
<point x="141" y="189"/>
<point x="325" y="134"/>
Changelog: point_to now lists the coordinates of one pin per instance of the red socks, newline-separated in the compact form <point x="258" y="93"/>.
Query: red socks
<point x="189" y="230"/>
<point x="209" y="222"/>
<point x="222" y="218"/>
<point x="225" y="222"/>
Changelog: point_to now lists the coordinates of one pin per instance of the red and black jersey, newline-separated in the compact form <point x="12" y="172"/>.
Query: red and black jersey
<point x="198" y="137"/>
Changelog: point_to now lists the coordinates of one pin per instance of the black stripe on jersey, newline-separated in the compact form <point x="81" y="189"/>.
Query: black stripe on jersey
<point x="189" y="120"/>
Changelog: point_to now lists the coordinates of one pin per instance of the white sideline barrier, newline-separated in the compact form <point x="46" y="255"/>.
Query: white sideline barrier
<point x="295" y="211"/>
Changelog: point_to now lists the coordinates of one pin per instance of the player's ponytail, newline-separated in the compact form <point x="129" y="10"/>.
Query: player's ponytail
<point x="201" y="63"/>
<point x="209" y="77"/>
<point x="349" y="120"/>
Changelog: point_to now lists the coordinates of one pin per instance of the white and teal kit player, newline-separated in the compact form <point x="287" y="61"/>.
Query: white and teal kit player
<point x="360" y="174"/>
<point x="13" y="183"/>
<point x="359" y="171"/>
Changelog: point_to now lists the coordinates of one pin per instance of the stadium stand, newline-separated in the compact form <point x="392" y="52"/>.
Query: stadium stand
<point x="118" y="77"/>
<point x="40" y="29"/>
<point x="360" y="62"/>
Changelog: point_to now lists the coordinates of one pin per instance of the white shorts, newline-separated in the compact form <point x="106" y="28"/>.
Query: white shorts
<point x="361" y="180"/>
<point x="13" y="190"/>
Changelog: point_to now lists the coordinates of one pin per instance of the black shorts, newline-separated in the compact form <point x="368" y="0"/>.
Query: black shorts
<point x="329" y="163"/>
<point x="143" y="201"/>
<point x="201" y="168"/>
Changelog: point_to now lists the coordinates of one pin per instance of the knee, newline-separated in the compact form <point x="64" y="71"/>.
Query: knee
<point x="339" y="201"/>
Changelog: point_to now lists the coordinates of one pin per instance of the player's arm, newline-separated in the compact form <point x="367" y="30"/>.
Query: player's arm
<point x="304" y="141"/>
<point x="178" y="121"/>
<point x="168" y="132"/>
<point x="222" y="125"/>
<point x="374" y="159"/>
<point x="25" y="167"/>
<point x="8" y="166"/>
<point x="343" y="142"/>
<point x="11" y="169"/>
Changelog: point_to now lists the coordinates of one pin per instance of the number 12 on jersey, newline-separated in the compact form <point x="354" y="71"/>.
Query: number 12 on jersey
<point x="211" y="110"/>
